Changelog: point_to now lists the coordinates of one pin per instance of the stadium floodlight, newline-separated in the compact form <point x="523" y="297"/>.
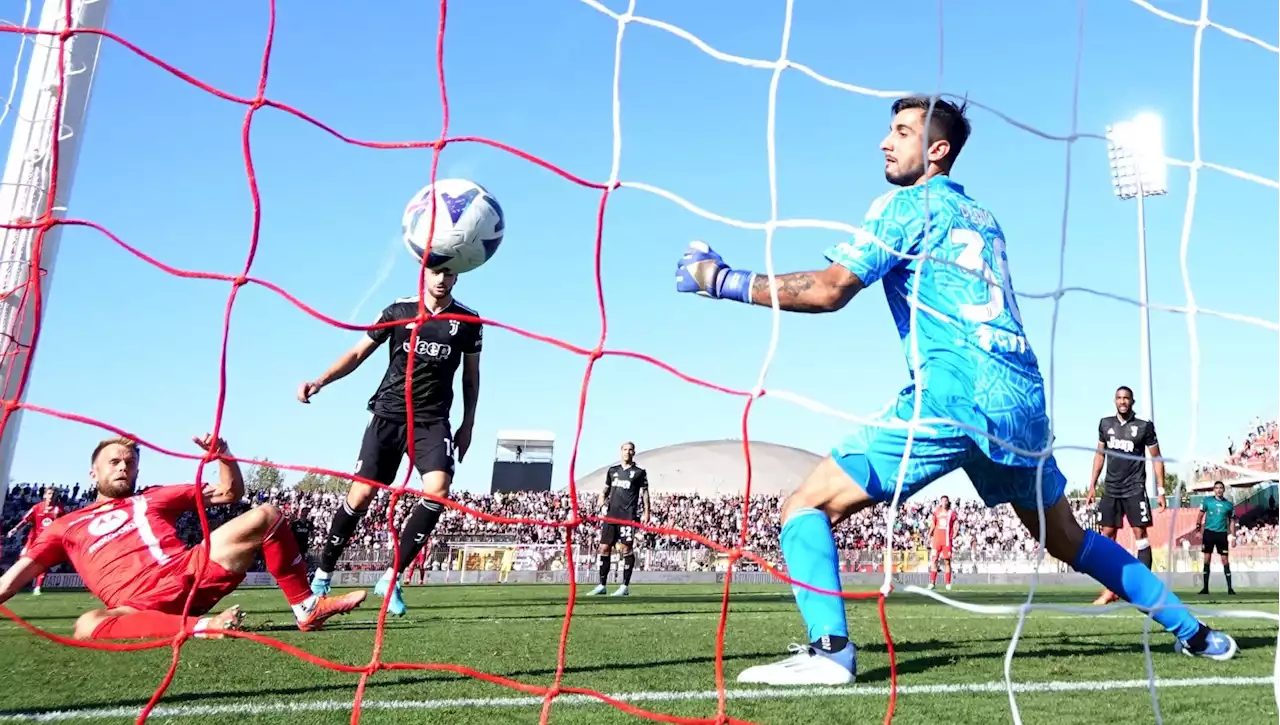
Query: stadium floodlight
<point x="1139" y="170"/>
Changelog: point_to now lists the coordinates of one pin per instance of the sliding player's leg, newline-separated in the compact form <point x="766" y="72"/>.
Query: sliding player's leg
<point x="861" y="471"/>
<point x="381" y="449"/>
<point x="234" y="546"/>
<point x="130" y="623"/>
<point x="1092" y="553"/>
<point x="433" y="457"/>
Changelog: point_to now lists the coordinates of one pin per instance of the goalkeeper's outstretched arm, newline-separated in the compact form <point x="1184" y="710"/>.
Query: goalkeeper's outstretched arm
<point x="18" y="576"/>
<point x="826" y="290"/>
<point x="703" y="272"/>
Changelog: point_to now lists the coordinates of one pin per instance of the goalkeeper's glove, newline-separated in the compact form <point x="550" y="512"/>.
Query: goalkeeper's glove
<point x="702" y="271"/>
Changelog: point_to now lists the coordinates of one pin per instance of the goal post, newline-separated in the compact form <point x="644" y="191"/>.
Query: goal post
<point x="24" y="188"/>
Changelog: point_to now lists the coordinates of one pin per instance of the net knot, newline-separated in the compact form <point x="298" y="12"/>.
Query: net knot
<point x="240" y="280"/>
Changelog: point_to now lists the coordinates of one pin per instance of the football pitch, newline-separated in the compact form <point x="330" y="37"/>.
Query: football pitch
<point x="654" y="649"/>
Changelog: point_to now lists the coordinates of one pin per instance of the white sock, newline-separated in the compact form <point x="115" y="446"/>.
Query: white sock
<point x="303" y="608"/>
<point x="322" y="575"/>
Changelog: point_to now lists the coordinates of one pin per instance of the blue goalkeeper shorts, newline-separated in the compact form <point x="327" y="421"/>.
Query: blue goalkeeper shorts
<point x="873" y="455"/>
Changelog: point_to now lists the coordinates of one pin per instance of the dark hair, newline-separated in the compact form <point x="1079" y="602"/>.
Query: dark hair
<point x="946" y="121"/>
<point x="1219" y="483"/>
<point x="1126" y="389"/>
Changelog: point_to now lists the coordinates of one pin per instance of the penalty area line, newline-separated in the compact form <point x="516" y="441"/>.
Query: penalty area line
<point x="267" y="708"/>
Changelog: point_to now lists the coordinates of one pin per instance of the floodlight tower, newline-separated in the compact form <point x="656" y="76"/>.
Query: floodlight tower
<point x="1139" y="170"/>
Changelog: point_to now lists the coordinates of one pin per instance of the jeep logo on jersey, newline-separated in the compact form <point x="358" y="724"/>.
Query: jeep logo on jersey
<point x="108" y="522"/>
<point x="434" y="350"/>
<point x="1120" y="444"/>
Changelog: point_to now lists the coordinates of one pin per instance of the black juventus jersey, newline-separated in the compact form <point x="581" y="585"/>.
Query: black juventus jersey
<point x="623" y="485"/>
<point x="302" y="531"/>
<point x="1125" y="476"/>
<point x="440" y="347"/>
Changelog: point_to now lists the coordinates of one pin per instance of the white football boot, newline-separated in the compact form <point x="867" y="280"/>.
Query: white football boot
<point x="806" y="666"/>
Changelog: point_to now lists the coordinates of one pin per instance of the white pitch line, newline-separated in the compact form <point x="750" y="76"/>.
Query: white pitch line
<point x="293" y="708"/>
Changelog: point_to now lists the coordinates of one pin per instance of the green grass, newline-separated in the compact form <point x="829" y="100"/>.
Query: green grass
<point x="661" y="639"/>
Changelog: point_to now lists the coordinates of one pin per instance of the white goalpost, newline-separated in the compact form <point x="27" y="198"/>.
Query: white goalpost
<point x="24" y="188"/>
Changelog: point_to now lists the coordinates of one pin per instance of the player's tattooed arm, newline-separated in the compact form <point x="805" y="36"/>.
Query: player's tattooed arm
<point x="826" y="290"/>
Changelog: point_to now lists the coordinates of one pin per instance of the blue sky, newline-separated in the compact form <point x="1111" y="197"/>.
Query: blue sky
<point x="161" y="166"/>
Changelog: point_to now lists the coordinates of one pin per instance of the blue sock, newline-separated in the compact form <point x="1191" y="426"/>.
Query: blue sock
<point x="810" y="553"/>
<point x="1108" y="562"/>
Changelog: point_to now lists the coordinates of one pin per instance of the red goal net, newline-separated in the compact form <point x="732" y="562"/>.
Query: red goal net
<point x="30" y="293"/>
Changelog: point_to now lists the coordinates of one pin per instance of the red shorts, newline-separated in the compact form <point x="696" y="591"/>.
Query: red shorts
<point x="171" y="587"/>
<point x="941" y="550"/>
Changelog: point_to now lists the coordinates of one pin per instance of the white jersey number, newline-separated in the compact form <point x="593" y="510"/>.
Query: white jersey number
<point x="1000" y="295"/>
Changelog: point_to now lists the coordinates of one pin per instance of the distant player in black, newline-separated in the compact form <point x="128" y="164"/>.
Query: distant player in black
<point x="625" y="496"/>
<point x="1124" y="489"/>
<point x="439" y="348"/>
<point x="302" y="530"/>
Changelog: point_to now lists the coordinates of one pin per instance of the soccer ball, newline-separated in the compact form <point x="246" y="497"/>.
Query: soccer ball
<point x="468" y="225"/>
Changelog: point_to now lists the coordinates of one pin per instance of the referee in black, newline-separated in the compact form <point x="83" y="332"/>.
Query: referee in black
<point x="626" y="491"/>
<point x="1124" y="490"/>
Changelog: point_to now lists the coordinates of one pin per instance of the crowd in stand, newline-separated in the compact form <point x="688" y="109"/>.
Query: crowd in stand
<point x="1259" y="450"/>
<point x="983" y="533"/>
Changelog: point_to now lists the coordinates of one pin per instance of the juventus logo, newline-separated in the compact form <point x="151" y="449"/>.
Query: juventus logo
<point x="453" y="327"/>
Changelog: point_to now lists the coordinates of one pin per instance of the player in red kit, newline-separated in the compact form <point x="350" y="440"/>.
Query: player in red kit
<point x="942" y="535"/>
<point x="41" y="516"/>
<point x="126" y="549"/>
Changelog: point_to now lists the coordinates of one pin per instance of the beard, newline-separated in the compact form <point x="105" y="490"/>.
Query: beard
<point x="904" y="178"/>
<point x="117" y="489"/>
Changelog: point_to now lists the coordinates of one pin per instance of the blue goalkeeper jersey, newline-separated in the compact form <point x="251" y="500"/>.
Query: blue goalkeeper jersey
<point x="976" y="366"/>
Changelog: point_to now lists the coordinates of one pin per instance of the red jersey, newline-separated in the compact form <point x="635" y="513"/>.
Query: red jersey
<point x="120" y="547"/>
<point x="41" y="516"/>
<point x="944" y="527"/>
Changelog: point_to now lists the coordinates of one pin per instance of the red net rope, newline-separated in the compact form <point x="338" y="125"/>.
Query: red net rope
<point x="31" y="294"/>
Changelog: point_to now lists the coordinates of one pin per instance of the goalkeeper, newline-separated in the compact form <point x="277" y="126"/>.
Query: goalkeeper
<point x="975" y="367"/>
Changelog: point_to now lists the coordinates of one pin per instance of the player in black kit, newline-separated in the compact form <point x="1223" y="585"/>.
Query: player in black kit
<point x="1124" y="490"/>
<point x="442" y="345"/>
<point x="626" y="491"/>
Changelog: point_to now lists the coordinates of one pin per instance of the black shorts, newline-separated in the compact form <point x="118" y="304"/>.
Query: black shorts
<point x="1136" y="509"/>
<point x="1215" y="540"/>
<point x="611" y="534"/>
<point x="384" y="445"/>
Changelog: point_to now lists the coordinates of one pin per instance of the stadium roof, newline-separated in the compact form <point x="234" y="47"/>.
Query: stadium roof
<point x="717" y="467"/>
